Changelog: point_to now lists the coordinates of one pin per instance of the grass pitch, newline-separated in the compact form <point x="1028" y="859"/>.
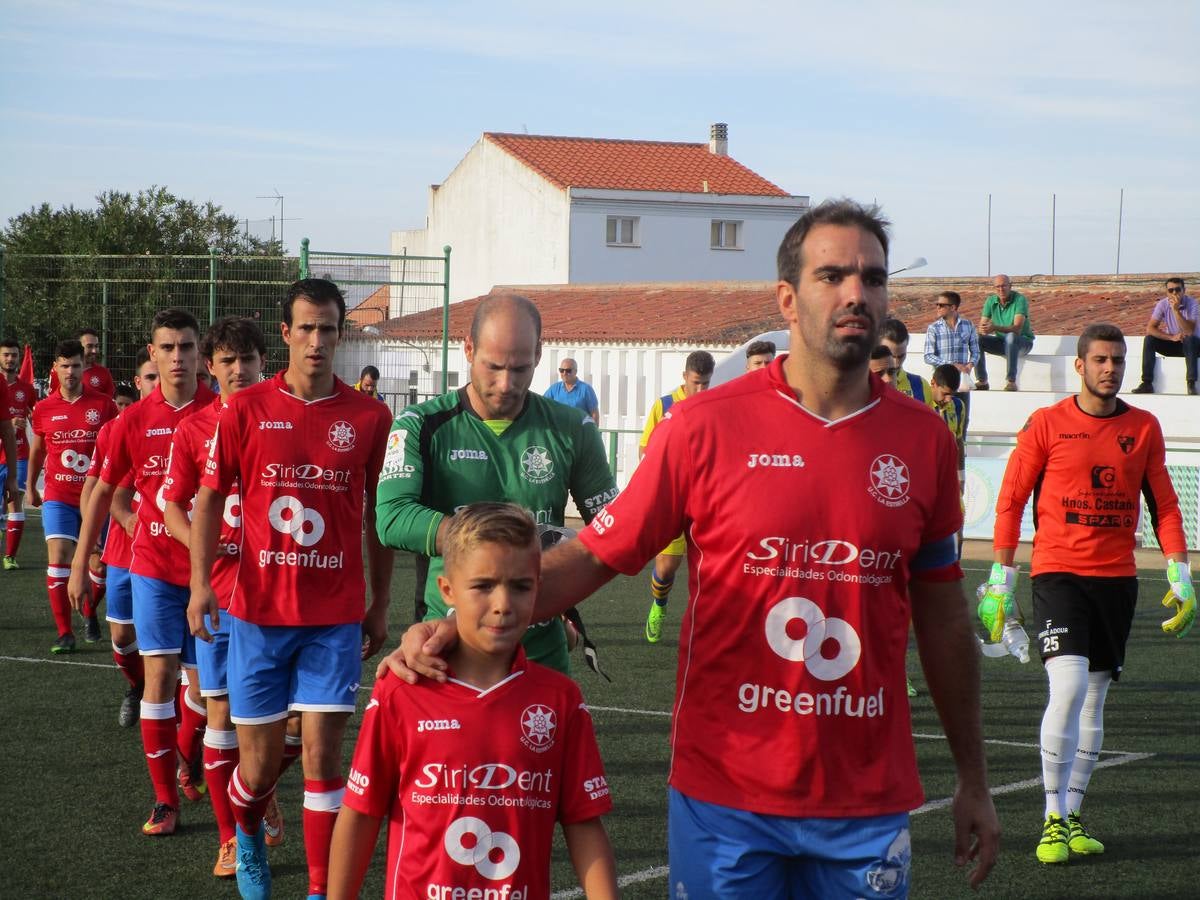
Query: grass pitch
<point x="74" y="789"/>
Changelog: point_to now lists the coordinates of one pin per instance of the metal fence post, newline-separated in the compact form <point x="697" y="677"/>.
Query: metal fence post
<point x="212" y="285"/>
<point x="104" y="320"/>
<point x="446" y="321"/>
<point x="1" y="289"/>
<point x="612" y="453"/>
<point x="304" y="257"/>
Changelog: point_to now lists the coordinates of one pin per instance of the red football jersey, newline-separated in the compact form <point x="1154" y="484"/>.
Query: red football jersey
<point x="20" y="401"/>
<point x="190" y="449"/>
<point x="141" y="445"/>
<point x="802" y="537"/>
<point x="95" y="378"/>
<point x="118" y="547"/>
<point x="303" y="468"/>
<point x="69" y="428"/>
<point x="472" y="782"/>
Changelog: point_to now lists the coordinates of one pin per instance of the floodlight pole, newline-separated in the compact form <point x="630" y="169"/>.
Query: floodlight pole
<point x="1120" y="220"/>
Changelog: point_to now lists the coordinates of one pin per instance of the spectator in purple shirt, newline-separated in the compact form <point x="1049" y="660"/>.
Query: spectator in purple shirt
<point x="1171" y="332"/>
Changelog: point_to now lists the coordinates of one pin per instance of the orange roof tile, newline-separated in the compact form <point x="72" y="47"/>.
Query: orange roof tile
<point x="373" y="310"/>
<point x="633" y="165"/>
<point x="715" y="313"/>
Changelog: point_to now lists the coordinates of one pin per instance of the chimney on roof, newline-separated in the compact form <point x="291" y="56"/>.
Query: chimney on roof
<point x="718" y="139"/>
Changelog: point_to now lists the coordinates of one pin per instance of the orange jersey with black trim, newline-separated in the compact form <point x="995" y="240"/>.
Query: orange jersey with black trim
<point x="1086" y="473"/>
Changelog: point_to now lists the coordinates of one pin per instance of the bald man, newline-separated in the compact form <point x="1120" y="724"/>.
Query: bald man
<point x="1004" y="330"/>
<point x="574" y="391"/>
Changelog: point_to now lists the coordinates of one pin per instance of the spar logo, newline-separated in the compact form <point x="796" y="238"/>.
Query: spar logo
<point x="538" y="724"/>
<point x="798" y="630"/>
<point x="289" y="516"/>
<point x="888" y="480"/>
<point x="92" y="416"/>
<point x="536" y="465"/>
<point x="341" y="436"/>
<point x="470" y="842"/>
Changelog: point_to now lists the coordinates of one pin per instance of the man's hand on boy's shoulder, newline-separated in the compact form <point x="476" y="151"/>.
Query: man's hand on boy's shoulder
<point x="421" y="650"/>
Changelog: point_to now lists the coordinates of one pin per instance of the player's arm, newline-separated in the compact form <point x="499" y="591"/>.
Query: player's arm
<point x="8" y="438"/>
<point x="402" y="521"/>
<point x="182" y="481"/>
<point x="121" y="509"/>
<point x="78" y="588"/>
<point x="379" y="569"/>
<point x="592" y="483"/>
<point x="37" y="459"/>
<point x="592" y="857"/>
<point x="203" y="533"/>
<point x="350" y="851"/>
<point x="950" y="661"/>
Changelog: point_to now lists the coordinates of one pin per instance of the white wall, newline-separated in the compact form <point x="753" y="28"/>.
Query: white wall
<point x="504" y="223"/>
<point x="675" y="236"/>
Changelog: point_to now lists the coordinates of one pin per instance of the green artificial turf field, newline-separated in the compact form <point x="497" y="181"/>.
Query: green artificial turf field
<point x="74" y="789"/>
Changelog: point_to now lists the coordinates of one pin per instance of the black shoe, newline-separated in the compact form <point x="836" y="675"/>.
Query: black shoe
<point x="1191" y="389"/>
<point x="64" y="644"/>
<point x="1143" y="388"/>
<point x="131" y="708"/>
<point x="981" y="385"/>
<point x="91" y="628"/>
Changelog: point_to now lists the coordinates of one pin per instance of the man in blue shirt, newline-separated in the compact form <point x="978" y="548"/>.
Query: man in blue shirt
<point x="574" y="392"/>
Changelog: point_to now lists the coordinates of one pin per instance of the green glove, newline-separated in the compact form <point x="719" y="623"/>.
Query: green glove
<point x="997" y="604"/>
<point x="1181" y="597"/>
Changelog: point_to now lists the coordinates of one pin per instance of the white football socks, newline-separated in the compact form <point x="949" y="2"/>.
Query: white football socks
<point x="1068" y="677"/>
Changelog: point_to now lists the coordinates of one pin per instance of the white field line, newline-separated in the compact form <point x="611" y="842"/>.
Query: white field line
<point x="57" y="662"/>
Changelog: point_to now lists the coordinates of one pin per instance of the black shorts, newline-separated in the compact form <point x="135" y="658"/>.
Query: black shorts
<point x="1079" y="615"/>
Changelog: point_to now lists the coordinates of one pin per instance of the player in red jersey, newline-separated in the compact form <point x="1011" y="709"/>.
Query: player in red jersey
<point x="16" y="410"/>
<point x="233" y="349"/>
<point x="305" y="450"/>
<point x="95" y="377"/>
<point x="493" y="758"/>
<point x="9" y="442"/>
<point x="65" y="425"/>
<point x="1088" y="457"/>
<point x="159" y="568"/>
<point x="792" y="647"/>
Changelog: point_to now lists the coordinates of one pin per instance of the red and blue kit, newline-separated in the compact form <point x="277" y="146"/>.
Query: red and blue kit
<point x="69" y="429"/>
<point x="1086" y="473"/>
<point x="803" y="535"/>
<point x="473" y="782"/>
<point x="21" y="398"/>
<point x="190" y="449"/>
<point x="118" y="547"/>
<point x="303" y="467"/>
<point x="141" y="445"/>
<point x="95" y="378"/>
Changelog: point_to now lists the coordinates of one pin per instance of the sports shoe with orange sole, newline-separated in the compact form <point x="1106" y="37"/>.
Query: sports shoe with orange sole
<point x="163" y="821"/>
<point x="273" y="823"/>
<point x="226" y="866"/>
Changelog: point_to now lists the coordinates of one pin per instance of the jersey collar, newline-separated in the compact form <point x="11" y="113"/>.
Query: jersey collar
<point x="519" y="665"/>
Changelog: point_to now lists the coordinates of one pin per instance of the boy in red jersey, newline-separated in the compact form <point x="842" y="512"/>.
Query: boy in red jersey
<point x="141" y="446"/>
<point x="15" y="411"/>
<point x="1088" y="457"/>
<point x="792" y="646"/>
<point x="234" y="350"/>
<point x="65" y="426"/>
<point x="492" y="758"/>
<point x="305" y="450"/>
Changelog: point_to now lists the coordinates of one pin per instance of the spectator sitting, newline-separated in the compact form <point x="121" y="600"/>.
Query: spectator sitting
<point x="1171" y="332"/>
<point x="1005" y="330"/>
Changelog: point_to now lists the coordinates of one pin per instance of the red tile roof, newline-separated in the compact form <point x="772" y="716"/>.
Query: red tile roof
<point x="633" y="165"/>
<point x="373" y="310"/>
<point x="715" y="313"/>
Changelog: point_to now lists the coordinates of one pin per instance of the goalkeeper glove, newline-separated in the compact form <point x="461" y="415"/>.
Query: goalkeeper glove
<point x="997" y="605"/>
<point x="1182" y="597"/>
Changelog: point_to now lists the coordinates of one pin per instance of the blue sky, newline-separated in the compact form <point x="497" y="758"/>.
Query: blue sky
<point x="351" y="110"/>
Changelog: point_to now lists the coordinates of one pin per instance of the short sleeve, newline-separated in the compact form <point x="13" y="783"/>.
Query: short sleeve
<point x="222" y="467"/>
<point x="584" y="787"/>
<point x="117" y="462"/>
<point x="375" y="766"/>
<point x="183" y="472"/>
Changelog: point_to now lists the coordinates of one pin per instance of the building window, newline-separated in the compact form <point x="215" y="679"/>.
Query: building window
<point x="726" y="235"/>
<point x="622" y="231"/>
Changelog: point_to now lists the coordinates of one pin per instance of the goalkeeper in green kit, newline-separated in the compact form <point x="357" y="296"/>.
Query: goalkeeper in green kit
<point x="491" y="440"/>
<point x="1089" y="457"/>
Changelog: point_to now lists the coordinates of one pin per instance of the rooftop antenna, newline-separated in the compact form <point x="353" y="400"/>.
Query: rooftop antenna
<point x="278" y="197"/>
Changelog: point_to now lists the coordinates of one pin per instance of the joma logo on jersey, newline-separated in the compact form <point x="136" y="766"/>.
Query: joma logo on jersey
<point x="158" y="432"/>
<point x="438" y="725"/>
<point x="468" y="454"/>
<point x="274" y="426"/>
<point x="775" y="460"/>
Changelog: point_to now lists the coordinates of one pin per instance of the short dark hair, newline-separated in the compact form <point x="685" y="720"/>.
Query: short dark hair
<point x="947" y="375"/>
<point x="315" y="290"/>
<point x="10" y="342"/>
<point x="881" y="351"/>
<point x="492" y="304"/>
<point x="68" y="348"/>
<point x="88" y="331"/>
<point x="1175" y="279"/>
<point x="143" y="357"/>
<point x="843" y="211"/>
<point x="701" y="362"/>
<point x="368" y="370"/>
<point x="758" y="348"/>
<point x="1099" y="331"/>
<point x="128" y="391"/>
<point x="952" y="296"/>
<point x="174" y="318"/>
<point x="892" y="329"/>
<point x="236" y="333"/>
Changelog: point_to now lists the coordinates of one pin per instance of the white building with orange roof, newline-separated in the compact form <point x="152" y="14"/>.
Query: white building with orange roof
<point x="537" y="209"/>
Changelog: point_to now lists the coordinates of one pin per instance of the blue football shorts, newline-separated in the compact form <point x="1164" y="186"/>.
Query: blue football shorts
<point x="729" y="854"/>
<point x="22" y="470"/>
<point x="213" y="659"/>
<point x="61" y="520"/>
<point x="160" y="617"/>
<point x="119" y="596"/>
<point x="277" y="669"/>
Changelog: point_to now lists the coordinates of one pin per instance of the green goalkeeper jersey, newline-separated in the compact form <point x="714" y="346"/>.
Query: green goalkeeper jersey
<point x="442" y="456"/>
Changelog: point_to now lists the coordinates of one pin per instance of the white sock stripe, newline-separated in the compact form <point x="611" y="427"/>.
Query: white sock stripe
<point x="198" y="708"/>
<point x="58" y="572"/>
<point x="293" y="740"/>
<point x="158" y="710"/>
<point x="324" y="801"/>
<point x="97" y="579"/>
<point x="238" y="794"/>
<point x="16" y="517"/>
<point x="126" y="650"/>
<point x="220" y="740"/>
